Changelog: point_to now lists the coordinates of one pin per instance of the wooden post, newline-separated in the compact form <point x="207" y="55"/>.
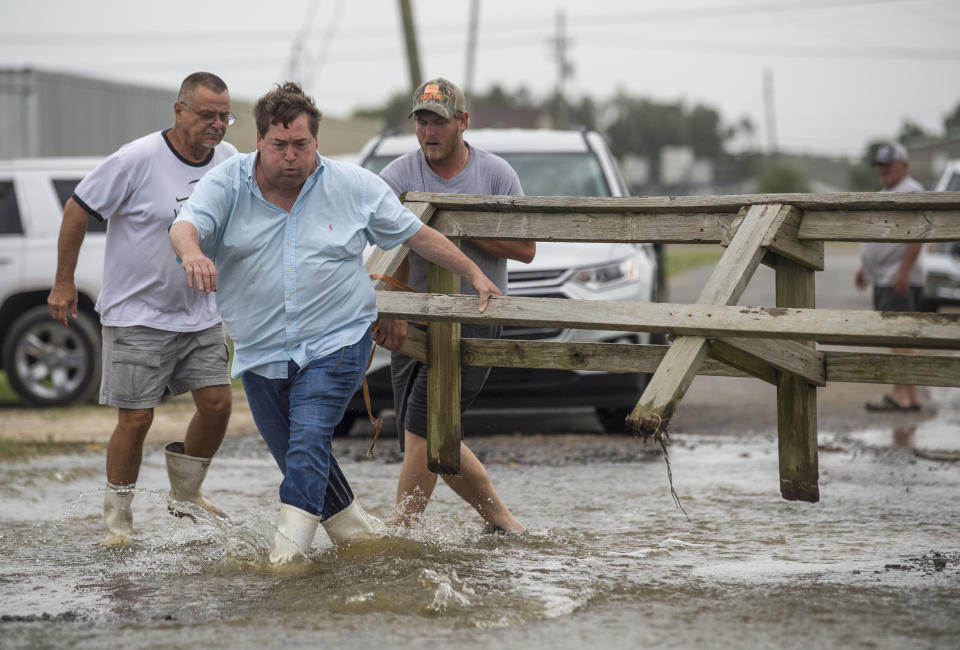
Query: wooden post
<point x="443" y="381"/>
<point x="796" y="397"/>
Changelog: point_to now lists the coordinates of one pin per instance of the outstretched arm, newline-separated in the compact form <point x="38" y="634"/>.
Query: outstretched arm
<point x="433" y="246"/>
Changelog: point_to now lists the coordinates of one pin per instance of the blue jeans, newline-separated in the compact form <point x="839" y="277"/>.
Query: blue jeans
<point x="296" y="417"/>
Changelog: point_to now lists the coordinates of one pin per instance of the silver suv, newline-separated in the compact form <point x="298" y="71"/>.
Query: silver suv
<point x="46" y="363"/>
<point x="550" y="163"/>
<point x="941" y="261"/>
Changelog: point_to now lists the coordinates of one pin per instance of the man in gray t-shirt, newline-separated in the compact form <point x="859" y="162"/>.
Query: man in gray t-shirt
<point x="445" y="163"/>
<point x="894" y="269"/>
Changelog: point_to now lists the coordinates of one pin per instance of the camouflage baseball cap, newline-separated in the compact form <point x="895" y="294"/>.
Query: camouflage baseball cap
<point x="438" y="96"/>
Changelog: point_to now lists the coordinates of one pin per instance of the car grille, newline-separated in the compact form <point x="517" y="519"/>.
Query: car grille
<point x="531" y="333"/>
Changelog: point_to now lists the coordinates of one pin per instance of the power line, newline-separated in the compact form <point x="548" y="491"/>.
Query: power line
<point x="202" y="37"/>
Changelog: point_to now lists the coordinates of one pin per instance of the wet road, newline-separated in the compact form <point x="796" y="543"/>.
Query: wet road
<point x="609" y="561"/>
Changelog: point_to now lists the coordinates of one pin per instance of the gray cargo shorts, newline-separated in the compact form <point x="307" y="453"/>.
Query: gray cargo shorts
<point x="409" y="378"/>
<point x="141" y="363"/>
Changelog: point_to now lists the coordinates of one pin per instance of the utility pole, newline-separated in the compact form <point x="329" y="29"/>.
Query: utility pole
<point x="564" y="68"/>
<point x="296" y="66"/>
<point x="471" y="47"/>
<point x="410" y="38"/>
<point x="768" y="110"/>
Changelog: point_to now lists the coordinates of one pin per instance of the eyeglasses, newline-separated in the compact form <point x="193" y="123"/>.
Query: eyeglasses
<point x="210" y="116"/>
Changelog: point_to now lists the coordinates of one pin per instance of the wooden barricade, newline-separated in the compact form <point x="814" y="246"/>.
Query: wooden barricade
<point x="713" y="336"/>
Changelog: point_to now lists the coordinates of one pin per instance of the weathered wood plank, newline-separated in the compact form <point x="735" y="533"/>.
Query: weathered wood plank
<point x="892" y="368"/>
<point x="815" y="227"/>
<point x="443" y="382"/>
<point x="557" y="355"/>
<point x="700" y="228"/>
<point x="833" y="201"/>
<point x="841" y="366"/>
<point x="381" y="262"/>
<point x="845" y="327"/>
<point x="896" y="225"/>
<point x="797" y="396"/>
<point x="736" y="357"/>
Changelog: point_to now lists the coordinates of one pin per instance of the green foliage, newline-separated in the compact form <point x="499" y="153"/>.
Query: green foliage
<point x="910" y="129"/>
<point x="781" y="177"/>
<point x="863" y="175"/>
<point x="643" y="126"/>
<point x="951" y="121"/>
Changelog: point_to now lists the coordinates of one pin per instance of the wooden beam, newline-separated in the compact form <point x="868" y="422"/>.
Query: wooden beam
<point x="887" y="225"/>
<point x="892" y="368"/>
<point x="838" y="326"/>
<point x="381" y="262"/>
<point x="673" y="228"/>
<point x="669" y="383"/>
<point x="443" y="382"/>
<point x="830" y="201"/>
<point x="841" y="366"/>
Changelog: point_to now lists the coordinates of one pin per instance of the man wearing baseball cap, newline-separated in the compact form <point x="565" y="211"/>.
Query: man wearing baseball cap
<point x="446" y="163"/>
<point x="893" y="268"/>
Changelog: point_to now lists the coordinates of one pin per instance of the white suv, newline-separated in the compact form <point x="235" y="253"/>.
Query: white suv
<point x="941" y="261"/>
<point x="46" y="364"/>
<point x="550" y="163"/>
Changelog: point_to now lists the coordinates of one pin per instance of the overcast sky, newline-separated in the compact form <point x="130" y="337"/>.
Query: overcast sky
<point x="843" y="71"/>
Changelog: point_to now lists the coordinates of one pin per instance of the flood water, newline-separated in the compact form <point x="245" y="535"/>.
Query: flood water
<point x="610" y="562"/>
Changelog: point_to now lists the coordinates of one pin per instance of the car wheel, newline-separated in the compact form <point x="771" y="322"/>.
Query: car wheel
<point x="613" y="420"/>
<point x="48" y="364"/>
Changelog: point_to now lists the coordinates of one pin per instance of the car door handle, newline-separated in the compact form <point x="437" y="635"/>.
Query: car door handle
<point x="6" y="260"/>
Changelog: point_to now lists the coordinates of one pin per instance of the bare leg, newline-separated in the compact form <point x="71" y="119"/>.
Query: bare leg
<point x="125" y="450"/>
<point x="473" y="485"/>
<point x="904" y="395"/>
<point x="416" y="483"/>
<point x="209" y="423"/>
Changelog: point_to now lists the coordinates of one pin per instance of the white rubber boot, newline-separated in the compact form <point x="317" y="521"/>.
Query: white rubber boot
<point x="295" y="531"/>
<point x="186" y="476"/>
<point x="349" y="524"/>
<point x="118" y="514"/>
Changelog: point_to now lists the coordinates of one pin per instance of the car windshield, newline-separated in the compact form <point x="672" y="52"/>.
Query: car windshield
<point x="953" y="185"/>
<point x="544" y="174"/>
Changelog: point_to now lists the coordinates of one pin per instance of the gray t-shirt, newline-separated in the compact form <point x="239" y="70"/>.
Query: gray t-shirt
<point x="881" y="260"/>
<point x="138" y="191"/>
<point x="485" y="173"/>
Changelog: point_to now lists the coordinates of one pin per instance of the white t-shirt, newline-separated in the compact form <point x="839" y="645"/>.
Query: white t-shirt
<point x="881" y="260"/>
<point x="138" y="191"/>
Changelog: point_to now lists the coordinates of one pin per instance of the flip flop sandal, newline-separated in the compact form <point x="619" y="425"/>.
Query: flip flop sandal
<point x="887" y="403"/>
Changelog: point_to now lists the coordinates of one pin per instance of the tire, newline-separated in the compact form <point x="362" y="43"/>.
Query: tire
<point x="613" y="420"/>
<point x="48" y="364"/>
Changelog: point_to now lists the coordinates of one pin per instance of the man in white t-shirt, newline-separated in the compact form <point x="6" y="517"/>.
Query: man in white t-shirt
<point x="894" y="269"/>
<point x="159" y="336"/>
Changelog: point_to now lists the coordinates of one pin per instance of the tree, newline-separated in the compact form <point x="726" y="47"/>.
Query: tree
<point x="643" y="126"/>
<point x="910" y="129"/>
<point x="951" y="121"/>
<point x="781" y="177"/>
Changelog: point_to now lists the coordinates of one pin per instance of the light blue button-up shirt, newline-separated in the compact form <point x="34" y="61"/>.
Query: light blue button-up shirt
<point x="292" y="285"/>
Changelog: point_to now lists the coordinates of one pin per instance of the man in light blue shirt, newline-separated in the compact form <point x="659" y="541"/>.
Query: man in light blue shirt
<point x="279" y="235"/>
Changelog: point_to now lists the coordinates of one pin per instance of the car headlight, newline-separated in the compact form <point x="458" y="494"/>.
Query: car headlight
<point x="608" y="274"/>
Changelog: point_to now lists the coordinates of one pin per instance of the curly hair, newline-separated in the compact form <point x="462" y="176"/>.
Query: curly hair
<point x="283" y="105"/>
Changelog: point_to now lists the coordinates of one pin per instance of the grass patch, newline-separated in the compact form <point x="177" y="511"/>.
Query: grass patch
<point x="14" y="450"/>
<point x="7" y="396"/>
<point x="685" y="258"/>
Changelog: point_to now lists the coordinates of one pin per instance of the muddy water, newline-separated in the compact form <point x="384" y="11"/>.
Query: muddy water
<point x="609" y="562"/>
